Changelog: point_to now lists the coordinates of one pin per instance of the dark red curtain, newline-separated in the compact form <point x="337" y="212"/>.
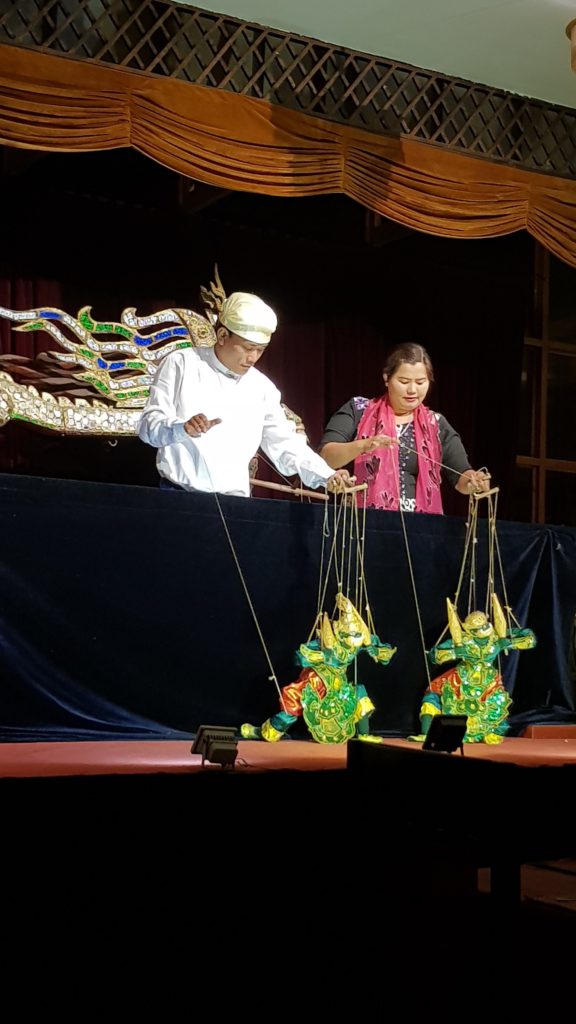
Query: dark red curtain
<point x="18" y="446"/>
<point x="26" y="293"/>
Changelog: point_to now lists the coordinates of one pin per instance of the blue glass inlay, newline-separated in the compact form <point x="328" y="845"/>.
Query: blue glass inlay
<point x="143" y="341"/>
<point x="179" y="331"/>
<point x="49" y="314"/>
<point x="117" y="366"/>
<point x="102" y="364"/>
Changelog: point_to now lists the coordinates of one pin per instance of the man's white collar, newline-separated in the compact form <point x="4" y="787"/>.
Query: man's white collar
<point x="219" y="366"/>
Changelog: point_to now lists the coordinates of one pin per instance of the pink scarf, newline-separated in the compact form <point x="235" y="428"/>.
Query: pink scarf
<point x="380" y="469"/>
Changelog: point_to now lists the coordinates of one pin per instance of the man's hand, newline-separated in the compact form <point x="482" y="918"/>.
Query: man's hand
<point x="473" y="480"/>
<point x="372" y="444"/>
<point x="340" y="481"/>
<point x="199" y="424"/>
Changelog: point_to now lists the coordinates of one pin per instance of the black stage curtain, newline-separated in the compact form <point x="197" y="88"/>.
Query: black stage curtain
<point x="124" y="616"/>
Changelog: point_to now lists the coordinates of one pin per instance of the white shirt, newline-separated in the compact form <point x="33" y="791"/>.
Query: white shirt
<point x="194" y="381"/>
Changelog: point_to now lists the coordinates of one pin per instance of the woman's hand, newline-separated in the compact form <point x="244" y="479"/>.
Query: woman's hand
<point x="340" y="481"/>
<point x="473" y="480"/>
<point x="372" y="444"/>
<point x="199" y="424"/>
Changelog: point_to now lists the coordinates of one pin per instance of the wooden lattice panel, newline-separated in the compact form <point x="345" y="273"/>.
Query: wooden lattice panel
<point x="382" y="96"/>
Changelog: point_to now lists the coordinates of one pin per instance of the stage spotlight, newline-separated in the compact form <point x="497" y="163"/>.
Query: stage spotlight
<point x="217" y="744"/>
<point x="446" y="734"/>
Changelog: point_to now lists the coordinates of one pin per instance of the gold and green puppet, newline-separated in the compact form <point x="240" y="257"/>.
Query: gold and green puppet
<point x="474" y="686"/>
<point x="334" y="707"/>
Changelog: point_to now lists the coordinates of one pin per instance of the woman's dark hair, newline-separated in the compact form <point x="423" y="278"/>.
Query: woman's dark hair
<point x="408" y="353"/>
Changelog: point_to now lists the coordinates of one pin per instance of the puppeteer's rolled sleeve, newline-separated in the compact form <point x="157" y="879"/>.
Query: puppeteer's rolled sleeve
<point x="342" y="427"/>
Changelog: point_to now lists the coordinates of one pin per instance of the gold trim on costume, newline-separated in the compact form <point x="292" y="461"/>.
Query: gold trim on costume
<point x="454" y="623"/>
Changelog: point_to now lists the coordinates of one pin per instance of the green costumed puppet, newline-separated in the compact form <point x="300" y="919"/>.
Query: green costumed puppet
<point x="335" y="708"/>
<point x="474" y="687"/>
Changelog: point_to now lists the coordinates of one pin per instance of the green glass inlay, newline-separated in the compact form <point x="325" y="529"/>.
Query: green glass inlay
<point x="133" y="393"/>
<point x="30" y="419"/>
<point x="86" y="321"/>
<point x="95" y="383"/>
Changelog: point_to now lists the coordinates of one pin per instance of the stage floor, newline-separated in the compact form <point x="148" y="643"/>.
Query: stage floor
<point x="32" y="760"/>
<point x="548" y="883"/>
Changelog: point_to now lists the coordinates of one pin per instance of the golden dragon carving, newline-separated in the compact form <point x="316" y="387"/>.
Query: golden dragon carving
<point x="114" y="362"/>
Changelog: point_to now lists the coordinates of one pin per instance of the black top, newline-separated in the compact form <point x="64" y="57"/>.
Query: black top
<point x="343" y="427"/>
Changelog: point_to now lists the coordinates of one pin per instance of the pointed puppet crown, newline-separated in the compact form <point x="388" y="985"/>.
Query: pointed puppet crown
<point x="350" y="620"/>
<point x="476" y="622"/>
<point x="327" y="638"/>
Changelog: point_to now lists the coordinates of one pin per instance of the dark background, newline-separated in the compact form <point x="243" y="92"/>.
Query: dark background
<point x="115" y="229"/>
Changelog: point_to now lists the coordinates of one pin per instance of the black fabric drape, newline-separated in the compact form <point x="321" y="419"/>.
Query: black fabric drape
<point x="123" y="613"/>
